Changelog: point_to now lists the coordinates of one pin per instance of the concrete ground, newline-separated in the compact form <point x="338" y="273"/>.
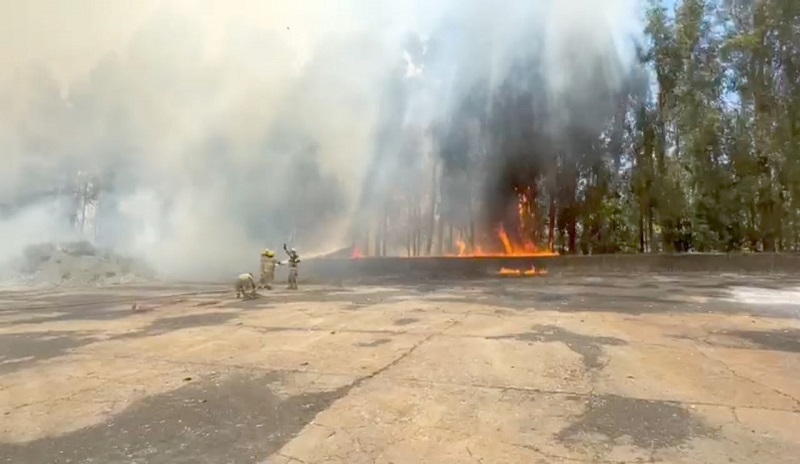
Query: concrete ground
<point x="540" y="370"/>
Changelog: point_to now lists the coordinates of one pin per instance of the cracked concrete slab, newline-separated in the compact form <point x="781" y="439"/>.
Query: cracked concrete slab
<point x="505" y="363"/>
<point x="211" y="419"/>
<point x="685" y="375"/>
<point x="564" y="370"/>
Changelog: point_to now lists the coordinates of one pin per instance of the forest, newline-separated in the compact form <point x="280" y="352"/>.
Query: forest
<point x="705" y="158"/>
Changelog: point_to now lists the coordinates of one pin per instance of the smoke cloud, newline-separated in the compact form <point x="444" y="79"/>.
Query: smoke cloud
<point x="214" y="129"/>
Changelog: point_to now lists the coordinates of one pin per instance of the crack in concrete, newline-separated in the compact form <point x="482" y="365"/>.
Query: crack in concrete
<point x="547" y="455"/>
<point x="361" y="380"/>
<point x="752" y="381"/>
<point x="735" y="415"/>
<point x="403" y="356"/>
<point x="268" y="329"/>
<point x="290" y="458"/>
<point x="131" y="299"/>
<point x="476" y="458"/>
<point x="589" y="394"/>
<point x="530" y="390"/>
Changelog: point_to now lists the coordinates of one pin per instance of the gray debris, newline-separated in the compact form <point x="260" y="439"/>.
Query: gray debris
<point x="74" y="264"/>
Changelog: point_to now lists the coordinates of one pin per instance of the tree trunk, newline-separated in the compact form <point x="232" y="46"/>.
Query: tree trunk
<point x="409" y="230"/>
<point x="470" y="238"/>
<point x="432" y="214"/>
<point x="641" y="229"/>
<point x="650" y="222"/>
<point x="551" y="224"/>
<point x="572" y="230"/>
<point x="378" y="239"/>
<point x="440" y="236"/>
<point x="417" y="229"/>
<point x="385" y="230"/>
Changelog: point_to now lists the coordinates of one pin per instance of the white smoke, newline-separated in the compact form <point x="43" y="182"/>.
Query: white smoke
<point x="231" y="126"/>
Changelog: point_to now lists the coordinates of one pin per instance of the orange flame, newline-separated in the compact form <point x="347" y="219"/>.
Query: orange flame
<point x="506" y="242"/>
<point x="509" y="272"/>
<point x="525" y="249"/>
<point x="504" y="271"/>
<point x="534" y="272"/>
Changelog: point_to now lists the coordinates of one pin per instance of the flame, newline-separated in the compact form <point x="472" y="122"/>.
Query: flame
<point x="504" y="271"/>
<point x="501" y="233"/>
<point x="525" y="249"/>
<point x="509" y="272"/>
<point x="534" y="272"/>
<point x="522" y="250"/>
<point x="510" y="248"/>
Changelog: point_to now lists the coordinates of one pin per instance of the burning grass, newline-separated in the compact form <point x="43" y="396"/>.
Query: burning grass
<point x="507" y="272"/>
<point x="510" y="250"/>
<point x="498" y="241"/>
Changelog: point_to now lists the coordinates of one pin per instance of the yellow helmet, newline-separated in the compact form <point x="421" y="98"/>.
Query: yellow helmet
<point x="270" y="253"/>
<point x="266" y="252"/>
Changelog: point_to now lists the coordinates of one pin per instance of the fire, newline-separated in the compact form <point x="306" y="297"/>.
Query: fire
<point x="519" y="245"/>
<point x="504" y="271"/>
<point x="506" y="242"/>
<point x="522" y="250"/>
<point x="534" y="272"/>
<point x="509" y="272"/>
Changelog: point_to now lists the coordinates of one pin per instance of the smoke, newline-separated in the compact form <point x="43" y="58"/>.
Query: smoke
<point x="216" y="129"/>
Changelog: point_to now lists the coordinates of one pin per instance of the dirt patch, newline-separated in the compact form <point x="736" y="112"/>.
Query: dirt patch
<point x="643" y="423"/>
<point x="235" y="419"/>
<point x="405" y="321"/>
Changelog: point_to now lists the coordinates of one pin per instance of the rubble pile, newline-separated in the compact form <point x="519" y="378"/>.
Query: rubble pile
<point x="77" y="264"/>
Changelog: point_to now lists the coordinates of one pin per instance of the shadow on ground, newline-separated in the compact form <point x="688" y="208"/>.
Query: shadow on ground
<point x="236" y="419"/>
<point x="588" y="347"/>
<point x="645" y="424"/>
<point x="169" y="324"/>
<point x="785" y="340"/>
<point x="20" y="350"/>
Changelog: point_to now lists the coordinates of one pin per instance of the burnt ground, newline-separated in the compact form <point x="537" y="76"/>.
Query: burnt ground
<point x="612" y="369"/>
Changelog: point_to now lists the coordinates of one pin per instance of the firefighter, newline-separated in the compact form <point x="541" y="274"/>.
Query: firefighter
<point x="268" y="265"/>
<point x="245" y="286"/>
<point x="293" y="261"/>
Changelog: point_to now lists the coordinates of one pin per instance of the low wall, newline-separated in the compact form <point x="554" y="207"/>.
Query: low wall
<point x="375" y="269"/>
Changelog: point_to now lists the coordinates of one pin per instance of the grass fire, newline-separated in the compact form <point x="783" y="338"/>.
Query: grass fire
<point x="463" y="242"/>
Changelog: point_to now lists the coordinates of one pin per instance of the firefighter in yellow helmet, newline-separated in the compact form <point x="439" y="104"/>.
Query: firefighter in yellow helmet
<point x="268" y="265"/>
